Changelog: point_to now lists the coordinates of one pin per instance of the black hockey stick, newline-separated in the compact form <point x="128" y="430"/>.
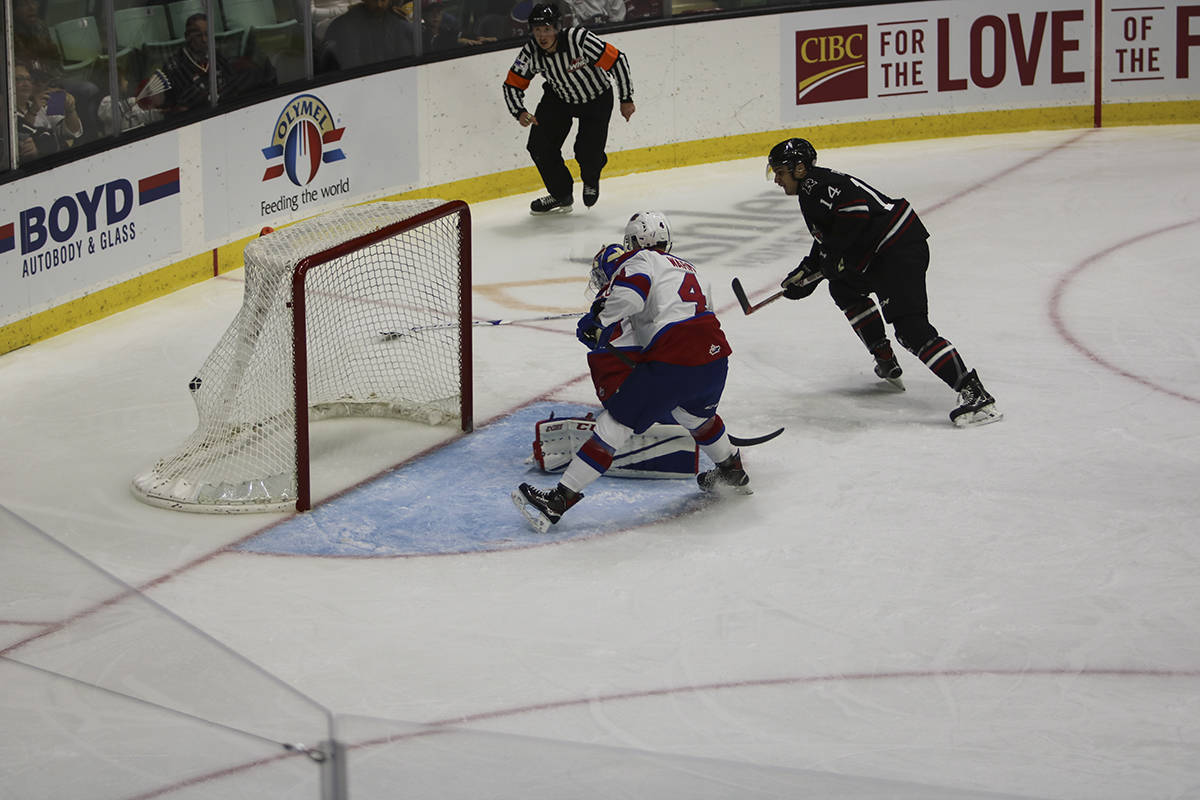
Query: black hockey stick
<point x="738" y="441"/>
<point x="749" y="308"/>
<point x="744" y="301"/>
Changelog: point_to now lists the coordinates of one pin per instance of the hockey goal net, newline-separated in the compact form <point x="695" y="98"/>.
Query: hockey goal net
<point x="363" y="311"/>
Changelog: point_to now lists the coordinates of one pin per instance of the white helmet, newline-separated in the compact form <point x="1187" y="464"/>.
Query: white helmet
<point x="648" y="229"/>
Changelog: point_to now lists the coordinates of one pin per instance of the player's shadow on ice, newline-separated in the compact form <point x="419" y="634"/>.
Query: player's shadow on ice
<point x="871" y="404"/>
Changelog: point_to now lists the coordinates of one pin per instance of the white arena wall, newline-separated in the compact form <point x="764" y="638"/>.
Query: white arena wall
<point x="96" y="236"/>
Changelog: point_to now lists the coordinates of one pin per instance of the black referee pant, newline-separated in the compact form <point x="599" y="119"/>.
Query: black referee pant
<point x="546" y="140"/>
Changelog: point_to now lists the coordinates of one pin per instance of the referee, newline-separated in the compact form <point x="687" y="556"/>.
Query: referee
<point x="577" y="67"/>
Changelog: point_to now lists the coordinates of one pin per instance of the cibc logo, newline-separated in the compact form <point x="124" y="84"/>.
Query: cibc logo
<point x="301" y="139"/>
<point x="831" y="64"/>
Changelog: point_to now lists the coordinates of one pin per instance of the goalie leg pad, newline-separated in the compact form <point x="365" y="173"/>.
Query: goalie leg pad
<point x="662" y="451"/>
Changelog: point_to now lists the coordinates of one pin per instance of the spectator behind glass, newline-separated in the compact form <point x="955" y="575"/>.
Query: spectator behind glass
<point x="130" y="114"/>
<point x="46" y="117"/>
<point x="181" y="84"/>
<point x="493" y="20"/>
<point x="34" y="44"/>
<point x="366" y="34"/>
<point x="441" y="30"/>
<point x="596" y="12"/>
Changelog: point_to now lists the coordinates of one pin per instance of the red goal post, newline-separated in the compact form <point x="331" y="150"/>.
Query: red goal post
<point x="362" y="311"/>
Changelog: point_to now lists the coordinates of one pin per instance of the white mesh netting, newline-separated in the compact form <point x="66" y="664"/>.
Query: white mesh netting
<point x="384" y="328"/>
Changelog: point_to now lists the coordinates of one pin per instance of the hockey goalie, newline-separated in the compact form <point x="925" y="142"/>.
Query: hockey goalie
<point x="657" y="357"/>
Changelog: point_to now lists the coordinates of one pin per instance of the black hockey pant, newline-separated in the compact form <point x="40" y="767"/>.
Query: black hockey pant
<point x="547" y="137"/>
<point x="897" y="278"/>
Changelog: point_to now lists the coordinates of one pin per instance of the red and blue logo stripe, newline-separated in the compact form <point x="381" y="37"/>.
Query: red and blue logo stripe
<point x="156" y="187"/>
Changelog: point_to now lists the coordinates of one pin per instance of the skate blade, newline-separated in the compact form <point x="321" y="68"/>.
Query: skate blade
<point x="984" y="416"/>
<point x="725" y="490"/>
<point x="555" y="210"/>
<point x="897" y="383"/>
<point x="532" y="515"/>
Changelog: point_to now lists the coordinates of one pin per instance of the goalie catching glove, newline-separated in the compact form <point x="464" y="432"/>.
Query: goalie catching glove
<point x="803" y="280"/>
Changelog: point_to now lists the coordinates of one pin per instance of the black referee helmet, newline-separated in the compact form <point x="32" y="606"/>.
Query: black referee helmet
<point x="544" y="14"/>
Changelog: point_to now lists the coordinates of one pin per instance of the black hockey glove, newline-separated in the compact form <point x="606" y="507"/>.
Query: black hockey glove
<point x="803" y="280"/>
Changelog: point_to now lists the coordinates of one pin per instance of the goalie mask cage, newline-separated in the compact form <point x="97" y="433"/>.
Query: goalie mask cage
<point x="363" y="311"/>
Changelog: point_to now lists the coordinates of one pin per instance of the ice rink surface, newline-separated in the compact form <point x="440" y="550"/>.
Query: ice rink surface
<point x="902" y="609"/>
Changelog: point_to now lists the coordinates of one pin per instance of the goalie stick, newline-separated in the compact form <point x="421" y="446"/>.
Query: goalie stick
<point x="749" y="308"/>
<point x="387" y="335"/>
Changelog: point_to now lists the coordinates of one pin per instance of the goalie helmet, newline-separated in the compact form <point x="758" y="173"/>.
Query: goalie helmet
<point x="648" y="229"/>
<point x="544" y="14"/>
<point x="604" y="265"/>
<point x="789" y="153"/>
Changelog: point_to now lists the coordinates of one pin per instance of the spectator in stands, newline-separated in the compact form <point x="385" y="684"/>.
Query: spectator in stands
<point x="325" y="12"/>
<point x="182" y="83"/>
<point x="441" y="30"/>
<point x="34" y="44"/>
<point x="129" y="114"/>
<point x="46" y="117"/>
<point x="367" y="33"/>
<point x="493" y="20"/>
<point x="596" y="12"/>
<point x="32" y="39"/>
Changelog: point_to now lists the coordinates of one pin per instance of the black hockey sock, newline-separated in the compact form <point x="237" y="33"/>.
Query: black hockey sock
<point x="943" y="360"/>
<point x="865" y="319"/>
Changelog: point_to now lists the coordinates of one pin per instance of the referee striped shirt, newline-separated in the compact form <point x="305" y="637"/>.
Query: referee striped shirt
<point x="578" y="70"/>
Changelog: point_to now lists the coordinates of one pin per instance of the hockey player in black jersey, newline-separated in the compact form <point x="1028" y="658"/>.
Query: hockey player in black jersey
<point x="865" y="243"/>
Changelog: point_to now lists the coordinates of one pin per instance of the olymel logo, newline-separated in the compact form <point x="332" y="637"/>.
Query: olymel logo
<point x="301" y="137"/>
<point x="831" y="64"/>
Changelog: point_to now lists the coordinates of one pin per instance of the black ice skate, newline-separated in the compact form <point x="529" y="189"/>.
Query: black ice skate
<point x="975" y="405"/>
<point x="886" y="365"/>
<point x="728" y="475"/>
<point x="543" y="508"/>
<point x="590" y="194"/>
<point x="551" y="205"/>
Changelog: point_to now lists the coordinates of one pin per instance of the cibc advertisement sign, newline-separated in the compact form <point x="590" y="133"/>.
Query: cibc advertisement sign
<point x="913" y="59"/>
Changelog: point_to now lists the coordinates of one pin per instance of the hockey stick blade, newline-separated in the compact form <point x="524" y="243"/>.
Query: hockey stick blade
<point x="738" y="441"/>
<point x="744" y="301"/>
